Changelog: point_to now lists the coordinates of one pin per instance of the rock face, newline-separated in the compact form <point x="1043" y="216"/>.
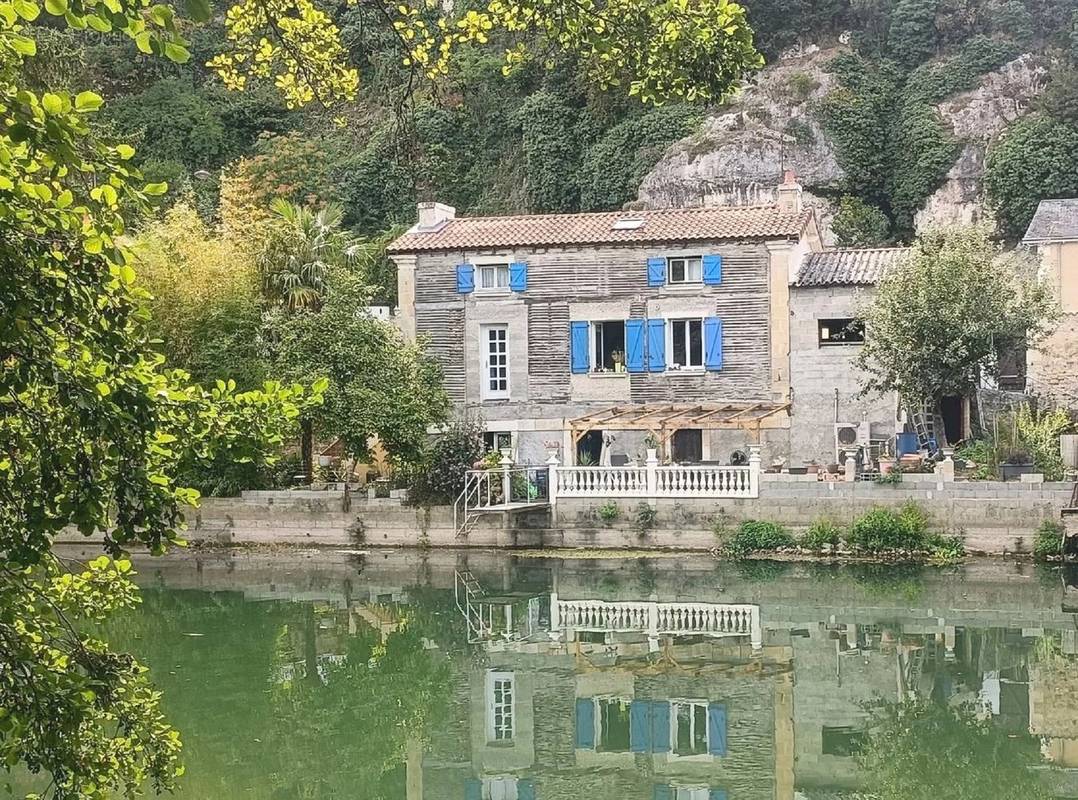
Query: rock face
<point x="739" y="154"/>
<point x="977" y="117"/>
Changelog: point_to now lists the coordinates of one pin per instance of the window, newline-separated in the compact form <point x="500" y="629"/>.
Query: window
<point x="613" y="716"/>
<point x="495" y="340"/>
<point x="691" y="793"/>
<point x="686" y="343"/>
<point x="500" y="706"/>
<point x="684" y="270"/>
<point x="690" y="728"/>
<point x="845" y="330"/>
<point x="494" y="276"/>
<point x="496" y="441"/>
<point x="500" y="789"/>
<point x="608" y="346"/>
<point x="841" y="741"/>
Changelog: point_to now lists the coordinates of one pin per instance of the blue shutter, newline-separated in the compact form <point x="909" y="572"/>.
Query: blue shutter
<point x="585" y="723"/>
<point x="526" y="789"/>
<point x="716" y="729"/>
<point x="662" y="792"/>
<point x="518" y="276"/>
<point x="465" y="278"/>
<point x="713" y="343"/>
<point x="656" y="271"/>
<point x="579" y="346"/>
<point x="660" y="726"/>
<point x="473" y="789"/>
<point x="634" y="345"/>
<point x="640" y="726"/>
<point x="712" y="269"/>
<point x="656" y="345"/>
<point x="717" y="794"/>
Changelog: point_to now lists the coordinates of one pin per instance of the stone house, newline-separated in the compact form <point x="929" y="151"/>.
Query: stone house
<point x="586" y="332"/>
<point x="1053" y="235"/>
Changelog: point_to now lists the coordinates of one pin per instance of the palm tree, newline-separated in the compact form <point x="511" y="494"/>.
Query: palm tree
<point x="301" y="248"/>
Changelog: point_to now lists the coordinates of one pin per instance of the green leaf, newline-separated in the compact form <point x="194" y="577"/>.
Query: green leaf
<point x="52" y="103"/>
<point x="198" y="10"/>
<point x="88" y="101"/>
<point x="99" y="23"/>
<point x="177" y="52"/>
<point x="23" y="45"/>
<point x="127" y="275"/>
<point x="26" y="9"/>
<point x="103" y="389"/>
<point x="155" y="188"/>
<point x="125" y="151"/>
<point x="142" y="42"/>
<point x="56" y="7"/>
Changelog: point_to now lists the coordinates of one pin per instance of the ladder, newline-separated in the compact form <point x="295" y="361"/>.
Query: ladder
<point x="924" y="425"/>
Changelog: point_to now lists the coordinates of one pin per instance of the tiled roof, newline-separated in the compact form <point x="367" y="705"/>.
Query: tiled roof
<point x="553" y="230"/>
<point x="1055" y="221"/>
<point x="853" y="267"/>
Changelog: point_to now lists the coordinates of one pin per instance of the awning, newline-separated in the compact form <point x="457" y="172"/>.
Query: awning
<point x="663" y="419"/>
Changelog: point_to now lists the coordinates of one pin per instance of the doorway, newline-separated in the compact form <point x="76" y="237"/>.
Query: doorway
<point x="589" y="449"/>
<point x="687" y="446"/>
<point x="952" y="410"/>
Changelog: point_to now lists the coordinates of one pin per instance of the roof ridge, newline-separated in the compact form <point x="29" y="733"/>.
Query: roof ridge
<point x="671" y="210"/>
<point x="832" y="250"/>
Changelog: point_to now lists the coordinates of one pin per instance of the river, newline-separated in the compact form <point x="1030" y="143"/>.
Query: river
<point x="326" y="674"/>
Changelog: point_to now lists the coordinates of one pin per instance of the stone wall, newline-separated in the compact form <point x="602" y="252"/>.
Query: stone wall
<point x="994" y="517"/>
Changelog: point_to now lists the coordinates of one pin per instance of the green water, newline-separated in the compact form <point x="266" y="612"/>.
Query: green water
<point x="333" y="675"/>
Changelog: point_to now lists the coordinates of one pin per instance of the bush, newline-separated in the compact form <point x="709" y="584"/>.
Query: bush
<point x="1048" y="541"/>
<point x="608" y="512"/>
<point x="754" y="535"/>
<point x="884" y="531"/>
<point x="438" y="478"/>
<point x="946" y="549"/>
<point x="858" y="224"/>
<point x="821" y="533"/>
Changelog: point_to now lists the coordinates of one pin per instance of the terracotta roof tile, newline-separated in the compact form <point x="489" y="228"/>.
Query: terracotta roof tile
<point x="853" y="267"/>
<point x="553" y="230"/>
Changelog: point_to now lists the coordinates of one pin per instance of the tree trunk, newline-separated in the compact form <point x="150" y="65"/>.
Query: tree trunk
<point x="307" y="449"/>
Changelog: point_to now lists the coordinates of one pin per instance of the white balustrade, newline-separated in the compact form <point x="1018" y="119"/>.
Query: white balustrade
<point x="601" y="481"/>
<point x="705" y="481"/>
<point x="715" y="619"/>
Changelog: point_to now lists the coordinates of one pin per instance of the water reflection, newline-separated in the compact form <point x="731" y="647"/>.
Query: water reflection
<point x="485" y="677"/>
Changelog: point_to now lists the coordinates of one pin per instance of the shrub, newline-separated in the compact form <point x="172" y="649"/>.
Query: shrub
<point x="439" y="477"/>
<point x="608" y="512"/>
<point x="946" y="549"/>
<point x="821" y="533"/>
<point x="644" y="518"/>
<point x="1048" y="541"/>
<point x="1039" y="433"/>
<point x="754" y="535"/>
<point x="858" y="224"/>
<point x="882" y="530"/>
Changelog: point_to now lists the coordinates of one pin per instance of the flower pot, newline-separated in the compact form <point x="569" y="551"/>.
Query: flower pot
<point x="653" y="454"/>
<point x="886" y="465"/>
<point x="1013" y="472"/>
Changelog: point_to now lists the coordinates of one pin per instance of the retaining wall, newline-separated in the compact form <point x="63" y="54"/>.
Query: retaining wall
<point x="994" y="517"/>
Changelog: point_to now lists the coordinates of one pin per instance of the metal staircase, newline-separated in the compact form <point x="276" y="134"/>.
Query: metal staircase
<point x="504" y="490"/>
<point x="473" y="502"/>
<point x="467" y="592"/>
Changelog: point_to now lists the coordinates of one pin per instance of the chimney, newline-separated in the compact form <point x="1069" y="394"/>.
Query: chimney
<point x="434" y="215"/>
<point x="788" y="193"/>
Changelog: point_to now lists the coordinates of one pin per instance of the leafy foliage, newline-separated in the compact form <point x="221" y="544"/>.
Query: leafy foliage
<point x="912" y="36"/>
<point x="1032" y="160"/>
<point x="755" y="535"/>
<point x="1040" y="432"/>
<point x="908" y="741"/>
<point x="857" y="224"/>
<point x="942" y="314"/>
<point x="883" y="531"/>
<point x="437" y="477"/>
<point x="1048" y="540"/>
<point x="551" y="152"/>
<point x="821" y="533"/>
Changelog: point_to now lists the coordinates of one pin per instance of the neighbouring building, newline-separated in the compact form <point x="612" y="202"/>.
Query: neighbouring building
<point x="1053" y="235"/>
<point x="705" y="328"/>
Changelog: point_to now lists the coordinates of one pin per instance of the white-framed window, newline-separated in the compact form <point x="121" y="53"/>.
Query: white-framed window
<point x="500" y="716"/>
<point x="495" y="362"/>
<point x="612" y="723"/>
<point x="686" y="345"/>
<point x="496" y="441"/>
<point x="500" y="788"/>
<point x="691" y="792"/>
<point x="493" y="277"/>
<point x="684" y="269"/>
<point x="608" y="346"/>
<point x="688" y="721"/>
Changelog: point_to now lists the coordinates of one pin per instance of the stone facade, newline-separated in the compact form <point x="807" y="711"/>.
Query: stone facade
<point x="826" y="379"/>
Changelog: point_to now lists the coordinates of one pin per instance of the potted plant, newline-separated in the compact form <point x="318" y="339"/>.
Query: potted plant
<point x="1017" y="461"/>
<point x="651" y="445"/>
<point x="618" y="357"/>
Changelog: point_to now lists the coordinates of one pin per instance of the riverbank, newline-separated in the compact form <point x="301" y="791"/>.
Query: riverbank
<point x="990" y="517"/>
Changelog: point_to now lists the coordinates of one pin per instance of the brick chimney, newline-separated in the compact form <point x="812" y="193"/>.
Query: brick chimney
<point x="433" y="215"/>
<point x="788" y="193"/>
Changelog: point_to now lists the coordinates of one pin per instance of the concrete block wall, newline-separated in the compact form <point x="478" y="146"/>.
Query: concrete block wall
<point x="817" y="373"/>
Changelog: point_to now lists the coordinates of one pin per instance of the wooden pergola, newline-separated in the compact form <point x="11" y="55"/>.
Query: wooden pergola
<point x="663" y="420"/>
